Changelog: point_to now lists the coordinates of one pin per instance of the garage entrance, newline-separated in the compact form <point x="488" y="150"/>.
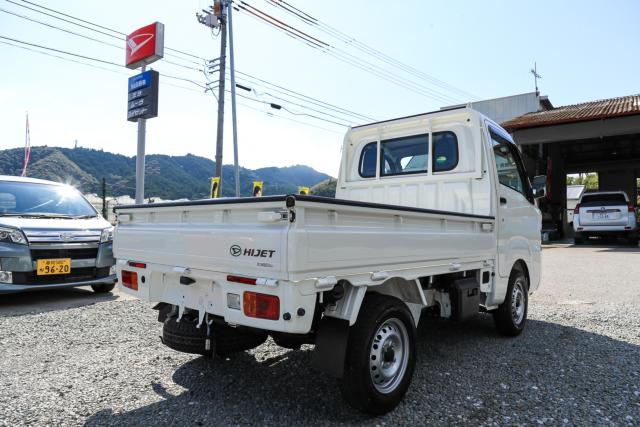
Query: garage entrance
<point x="600" y="136"/>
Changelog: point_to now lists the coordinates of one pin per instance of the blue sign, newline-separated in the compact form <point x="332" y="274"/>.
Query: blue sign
<point x="140" y="81"/>
<point x="142" y="96"/>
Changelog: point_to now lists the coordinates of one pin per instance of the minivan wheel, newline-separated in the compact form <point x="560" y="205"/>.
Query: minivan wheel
<point x="380" y="355"/>
<point x="511" y="315"/>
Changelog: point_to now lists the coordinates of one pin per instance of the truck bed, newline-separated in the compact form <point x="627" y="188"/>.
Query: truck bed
<point x="299" y="237"/>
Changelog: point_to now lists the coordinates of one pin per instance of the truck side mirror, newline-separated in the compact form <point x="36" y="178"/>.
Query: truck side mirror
<point x="539" y="186"/>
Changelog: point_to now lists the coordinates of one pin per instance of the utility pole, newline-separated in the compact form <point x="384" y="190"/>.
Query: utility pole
<point x="233" y="104"/>
<point x="218" y="19"/>
<point x="221" y="81"/>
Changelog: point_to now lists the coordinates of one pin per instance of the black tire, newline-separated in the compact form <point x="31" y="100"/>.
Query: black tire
<point x="511" y="316"/>
<point x="103" y="289"/>
<point x="186" y="337"/>
<point x="578" y="239"/>
<point x="358" y="388"/>
<point x="232" y="340"/>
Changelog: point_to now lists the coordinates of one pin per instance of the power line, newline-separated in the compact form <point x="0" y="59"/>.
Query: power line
<point x="351" y="41"/>
<point x="293" y="94"/>
<point x="89" y="65"/>
<point x="121" y="66"/>
<point x="343" y="55"/>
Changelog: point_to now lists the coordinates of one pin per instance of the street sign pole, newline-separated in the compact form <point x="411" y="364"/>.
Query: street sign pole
<point x="142" y="130"/>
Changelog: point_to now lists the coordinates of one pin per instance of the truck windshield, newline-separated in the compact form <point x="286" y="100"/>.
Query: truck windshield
<point x="42" y="200"/>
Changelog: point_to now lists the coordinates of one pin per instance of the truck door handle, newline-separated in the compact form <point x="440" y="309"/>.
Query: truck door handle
<point x="503" y="201"/>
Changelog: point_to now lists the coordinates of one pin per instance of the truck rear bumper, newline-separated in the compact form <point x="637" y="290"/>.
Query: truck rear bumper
<point x="213" y="293"/>
<point x="10" y="288"/>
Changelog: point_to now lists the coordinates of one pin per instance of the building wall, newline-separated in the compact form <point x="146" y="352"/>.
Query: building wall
<point x="502" y="109"/>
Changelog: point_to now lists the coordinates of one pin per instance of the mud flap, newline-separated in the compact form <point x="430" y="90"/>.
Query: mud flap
<point x="331" y="346"/>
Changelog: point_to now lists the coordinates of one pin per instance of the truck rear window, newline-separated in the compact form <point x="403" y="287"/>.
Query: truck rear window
<point x="603" y="200"/>
<point x="410" y="154"/>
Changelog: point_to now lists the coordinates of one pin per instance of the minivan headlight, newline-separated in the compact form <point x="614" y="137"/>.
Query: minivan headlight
<point x="106" y="235"/>
<point x="12" y="235"/>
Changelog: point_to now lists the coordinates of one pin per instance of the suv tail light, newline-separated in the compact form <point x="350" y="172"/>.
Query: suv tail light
<point x="261" y="306"/>
<point x="130" y="279"/>
<point x="632" y="208"/>
<point x="576" y="211"/>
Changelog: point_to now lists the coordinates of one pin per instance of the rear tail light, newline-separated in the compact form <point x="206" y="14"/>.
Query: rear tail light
<point x="240" y="279"/>
<point x="137" y="264"/>
<point x="261" y="306"/>
<point x="130" y="279"/>
<point x="576" y="211"/>
<point x="632" y="208"/>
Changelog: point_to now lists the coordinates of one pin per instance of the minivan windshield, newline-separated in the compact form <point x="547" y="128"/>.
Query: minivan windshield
<point x="43" y="200"/>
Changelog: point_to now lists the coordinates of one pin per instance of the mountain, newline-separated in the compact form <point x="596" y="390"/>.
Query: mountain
<point x="326" y="188"/>
<point x="167" y="177"/>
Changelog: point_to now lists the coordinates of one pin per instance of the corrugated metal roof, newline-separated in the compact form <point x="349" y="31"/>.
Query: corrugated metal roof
<point x="594" y="110"/>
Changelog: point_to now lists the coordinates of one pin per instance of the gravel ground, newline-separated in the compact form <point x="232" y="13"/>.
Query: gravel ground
<point x="577" y="363"/>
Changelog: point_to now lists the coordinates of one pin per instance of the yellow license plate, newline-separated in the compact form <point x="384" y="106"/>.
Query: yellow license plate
<point x="53" y="266"/>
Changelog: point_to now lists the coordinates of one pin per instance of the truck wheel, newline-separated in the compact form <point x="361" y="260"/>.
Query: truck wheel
<point x="380" y="355"/>
<point x="233" y="340"/>
<point x="186" y="337"/>
<point x="511" y="315"/>
<point x="102" y="289"/>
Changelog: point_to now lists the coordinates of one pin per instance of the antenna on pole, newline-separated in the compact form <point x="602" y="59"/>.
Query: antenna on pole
<point x="536" y="76"/>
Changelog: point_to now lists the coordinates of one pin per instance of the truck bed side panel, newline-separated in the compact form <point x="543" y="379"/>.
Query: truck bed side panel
<point x="336" y="239"/>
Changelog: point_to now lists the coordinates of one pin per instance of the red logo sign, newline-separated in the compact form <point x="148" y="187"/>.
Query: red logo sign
<point x="145" y="45"/>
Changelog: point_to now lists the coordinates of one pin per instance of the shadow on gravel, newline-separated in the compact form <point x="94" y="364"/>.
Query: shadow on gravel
<point x="56" y="299"/>
<point x="465" y="374"/>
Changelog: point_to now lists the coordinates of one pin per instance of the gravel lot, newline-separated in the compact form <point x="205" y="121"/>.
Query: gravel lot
<point x="71" y="358"/>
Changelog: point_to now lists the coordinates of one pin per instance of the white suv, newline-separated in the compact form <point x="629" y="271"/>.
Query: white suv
<point x="605" y="214"/>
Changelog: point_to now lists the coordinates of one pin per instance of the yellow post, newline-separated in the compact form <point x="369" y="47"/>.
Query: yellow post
<point x="304" y="190"/>
<point x="215" y="187"/>
<point x="257" y="188"/>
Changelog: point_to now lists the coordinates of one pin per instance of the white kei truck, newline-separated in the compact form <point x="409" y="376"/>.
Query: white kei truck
<point x="434" y="215"/>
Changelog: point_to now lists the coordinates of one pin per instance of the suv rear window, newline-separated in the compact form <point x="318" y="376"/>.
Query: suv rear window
<point x="603" y="200"/>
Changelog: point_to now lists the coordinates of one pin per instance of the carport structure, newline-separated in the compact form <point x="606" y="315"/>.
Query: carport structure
<point x="599" y="136"/>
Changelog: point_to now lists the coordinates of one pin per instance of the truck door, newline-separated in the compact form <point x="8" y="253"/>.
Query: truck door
<point x="517" y="221"/>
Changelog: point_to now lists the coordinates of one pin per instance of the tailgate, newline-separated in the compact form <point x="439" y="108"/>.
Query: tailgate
<point x="604" y="215"/>
<point x="241" y="236"/>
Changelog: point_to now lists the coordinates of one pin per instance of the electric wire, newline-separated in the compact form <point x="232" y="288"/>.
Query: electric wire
<point x="352" y="41"/>
<point x="344" y="56"/>
<point x="121" y="66"/>
<point x="295" y="95"/>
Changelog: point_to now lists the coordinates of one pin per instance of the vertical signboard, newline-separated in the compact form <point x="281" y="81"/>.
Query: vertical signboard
<point x="142" y="100"/>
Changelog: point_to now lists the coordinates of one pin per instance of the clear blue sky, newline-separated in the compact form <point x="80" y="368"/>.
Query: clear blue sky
<point x="585" y="50"/>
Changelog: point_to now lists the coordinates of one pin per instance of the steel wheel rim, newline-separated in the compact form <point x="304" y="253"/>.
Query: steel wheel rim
<point x="389" y="355"/>
<point x="518" y="300"/>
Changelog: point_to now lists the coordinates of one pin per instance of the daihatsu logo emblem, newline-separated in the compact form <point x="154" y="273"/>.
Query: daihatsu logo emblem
<point x="235" y="250"/>
<point x="142" y="39"/>
<point x="65" y="237"/>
